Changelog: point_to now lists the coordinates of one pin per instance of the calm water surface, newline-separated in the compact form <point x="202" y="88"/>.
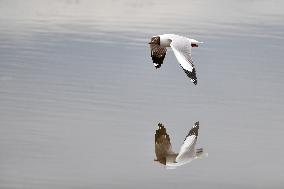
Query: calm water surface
<point x="80" y="99"/>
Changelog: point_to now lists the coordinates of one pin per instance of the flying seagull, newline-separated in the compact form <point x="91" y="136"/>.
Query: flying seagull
<point x="166" y="156"/>
<point x="182" y="50"/>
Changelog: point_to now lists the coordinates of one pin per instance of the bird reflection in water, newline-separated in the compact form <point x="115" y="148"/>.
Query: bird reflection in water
<point x="166" y="156"/>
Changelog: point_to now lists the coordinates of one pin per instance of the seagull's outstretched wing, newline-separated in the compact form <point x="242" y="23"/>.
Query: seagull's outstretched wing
<point x="187" y="151"/>
<point x="158" y="54"/>
<point x="182" y="50"/>
<point x="163" y="145"/>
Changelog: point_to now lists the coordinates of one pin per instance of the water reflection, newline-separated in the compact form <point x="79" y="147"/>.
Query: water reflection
<point x="166" y="156"/>
<point x="73" y="71"/>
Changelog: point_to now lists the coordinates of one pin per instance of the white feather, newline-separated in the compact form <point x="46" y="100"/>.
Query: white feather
<point x="187" y="150"/>
<point x="181" y="47"/>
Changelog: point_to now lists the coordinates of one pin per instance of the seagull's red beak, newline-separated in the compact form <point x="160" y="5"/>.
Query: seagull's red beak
<point x="194" y="45"/>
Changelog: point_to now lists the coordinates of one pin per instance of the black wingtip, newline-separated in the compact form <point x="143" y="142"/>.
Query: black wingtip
<point x="157" y="66"/>
<point x="161" y="131"/>
<point x="160" y="125"/>
<point x="191" y="75"/>
<point x="193" y="130"/>
<point x="196" y="124"/>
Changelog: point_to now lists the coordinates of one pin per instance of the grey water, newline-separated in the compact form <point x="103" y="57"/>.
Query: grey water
<point x="80" y="98"/>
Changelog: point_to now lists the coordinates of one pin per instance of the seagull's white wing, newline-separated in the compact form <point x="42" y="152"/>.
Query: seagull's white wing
<point x="187" y="151"/>
<point x="182" y="50"/>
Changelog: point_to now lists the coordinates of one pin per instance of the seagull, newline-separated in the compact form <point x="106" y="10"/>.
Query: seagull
<point x="166" y="156"/>
<point x="182" y="50"/>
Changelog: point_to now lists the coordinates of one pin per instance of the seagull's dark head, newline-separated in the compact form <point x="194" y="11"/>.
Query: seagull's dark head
<point x="155" y="40"/>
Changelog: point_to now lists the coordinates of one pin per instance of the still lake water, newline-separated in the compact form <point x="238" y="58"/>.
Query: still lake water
<point x="80" y="98"/>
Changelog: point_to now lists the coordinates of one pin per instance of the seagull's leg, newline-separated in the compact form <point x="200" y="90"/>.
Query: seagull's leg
<point x="199" y="150"/>
<point x="200" y="153"/>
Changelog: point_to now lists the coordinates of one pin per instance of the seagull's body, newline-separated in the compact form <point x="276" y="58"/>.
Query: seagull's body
<point x="182" y="50"/>
<point x="187" y="153"/>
